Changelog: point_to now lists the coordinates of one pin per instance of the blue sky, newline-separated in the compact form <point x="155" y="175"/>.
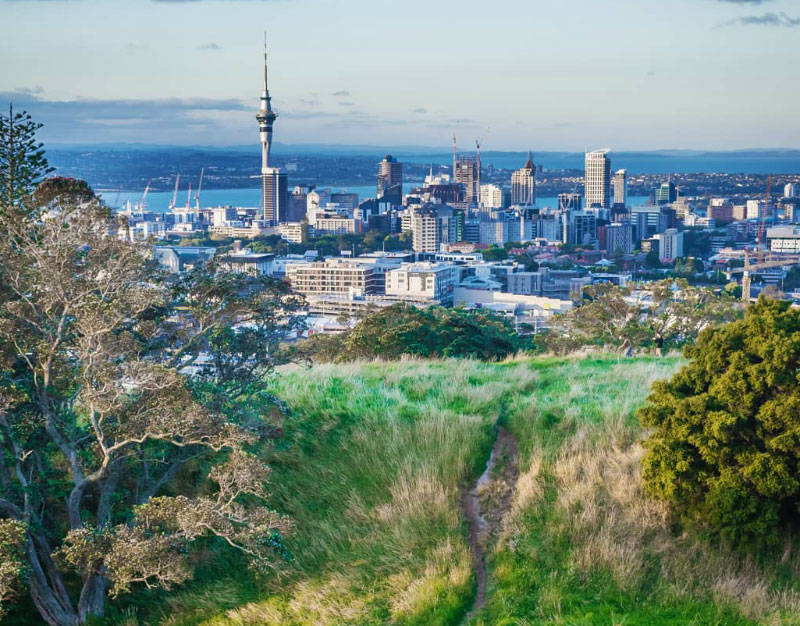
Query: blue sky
<point x="518" y="74"/>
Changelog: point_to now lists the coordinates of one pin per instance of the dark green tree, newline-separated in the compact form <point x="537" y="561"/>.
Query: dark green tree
<point x="23" y="164"/>
<point x="725" y="444"/>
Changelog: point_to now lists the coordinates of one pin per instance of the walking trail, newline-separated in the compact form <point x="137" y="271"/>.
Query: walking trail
<point x="485" y="506"/>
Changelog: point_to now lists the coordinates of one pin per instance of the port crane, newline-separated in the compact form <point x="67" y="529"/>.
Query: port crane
<point x="199" y="189"/>
<point x="175" y="192"/>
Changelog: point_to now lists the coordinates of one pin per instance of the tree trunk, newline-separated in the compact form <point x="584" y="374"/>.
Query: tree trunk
<point x="93" y="595"/>
<point x="48" y="592"/>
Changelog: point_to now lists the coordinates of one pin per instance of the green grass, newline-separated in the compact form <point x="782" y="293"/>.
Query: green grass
<point x="371" y="470"/>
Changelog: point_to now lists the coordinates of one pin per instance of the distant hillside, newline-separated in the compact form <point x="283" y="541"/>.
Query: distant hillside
<point x="377" y="470"/>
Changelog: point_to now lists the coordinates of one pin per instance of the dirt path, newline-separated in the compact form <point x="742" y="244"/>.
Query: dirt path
<point x="486" y="504"/>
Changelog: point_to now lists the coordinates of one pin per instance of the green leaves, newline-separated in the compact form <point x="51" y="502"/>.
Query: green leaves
<point x="725" y="446"/>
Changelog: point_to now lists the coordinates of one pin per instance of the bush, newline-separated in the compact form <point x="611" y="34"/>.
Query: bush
<point x="725" y="449"/>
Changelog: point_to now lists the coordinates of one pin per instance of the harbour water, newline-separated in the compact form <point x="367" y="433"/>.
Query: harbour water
<point x="158" y="201"/>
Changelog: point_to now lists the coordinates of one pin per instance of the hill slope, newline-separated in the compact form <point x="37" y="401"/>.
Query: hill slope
<point x="373" y="471"/>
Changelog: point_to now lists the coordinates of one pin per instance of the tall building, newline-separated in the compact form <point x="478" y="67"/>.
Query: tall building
<point x="467" y="172"/>
<point x="621" y="187"/>
<point x="598" y="179"/>
<point x="274" y="196"/>
<point x="390" y="174"/>
<point x="273" y="184"/>
<point x="523" y="184"/>
<point x="790" y="190"/>
<point x="667" y="193"/>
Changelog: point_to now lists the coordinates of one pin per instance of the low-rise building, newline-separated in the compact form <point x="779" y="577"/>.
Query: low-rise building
<point x="334" y="276"/>
<point x="431" y="283"/>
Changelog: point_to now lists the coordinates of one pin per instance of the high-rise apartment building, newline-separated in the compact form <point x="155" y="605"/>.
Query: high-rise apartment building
<point x="790" y="190"/>
<point x="491" y="197"/>
<point x="523" y="184"/>
<point x="390" y="176"/>
<point x="598" y="179"/>
<point x="621" y="187"/>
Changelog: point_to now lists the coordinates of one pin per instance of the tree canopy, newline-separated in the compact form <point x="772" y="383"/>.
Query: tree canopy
<point x="435" y="332"/>
<point x="725" y="445"/>
<point x="668" y="311"/>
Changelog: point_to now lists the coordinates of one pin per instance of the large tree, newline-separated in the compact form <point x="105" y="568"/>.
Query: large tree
<point x="725" y="444"/>
<point x="668" y="311"/>
<point x="116" y="381"/>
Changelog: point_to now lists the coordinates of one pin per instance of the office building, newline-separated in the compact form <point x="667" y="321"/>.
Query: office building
<point x="390" y="177"/>
<point x="621" y="187"/>
<point x="523" y="185"/>
<point x="580" y="228"/>
<point x="619" y="238"/>
<point x="790" y="190"/>
<point x="667" y="193"/>
<point x="597" y="180"/>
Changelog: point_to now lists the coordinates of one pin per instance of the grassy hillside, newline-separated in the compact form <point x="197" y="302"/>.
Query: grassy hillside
<point x="372" y="471"/>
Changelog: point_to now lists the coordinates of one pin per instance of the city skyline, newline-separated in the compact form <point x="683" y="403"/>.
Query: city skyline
<point x="685" y="77"/>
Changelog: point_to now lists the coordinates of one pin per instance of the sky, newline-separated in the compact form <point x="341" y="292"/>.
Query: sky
<point x="513" y="74"/>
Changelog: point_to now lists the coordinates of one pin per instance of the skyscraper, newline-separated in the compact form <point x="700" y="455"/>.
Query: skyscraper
<point x="390" y="174"/>
<point x="598" y="179"/>
<point x="523" y="184"/>
<point x="274" y="184"/>
<point x="667" y="193"/>
<point x="621" y="187"/>
<point x="467" y="172"/>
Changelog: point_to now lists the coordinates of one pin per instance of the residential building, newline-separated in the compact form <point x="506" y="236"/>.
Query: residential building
<point x="491" y="197"/>
<point x="523" y="184"/>
<point x="431" y="283"/>
<point x="621" y="187"/>
<point x="598" y="179"/>
<point x="670" y="245"/>
<point x="390" y="177"/>
<point x="334" y="276"/>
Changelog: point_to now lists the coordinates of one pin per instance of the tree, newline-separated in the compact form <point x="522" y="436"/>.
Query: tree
<point x="725" y="442"/>
<point x="651" y="260"/>
<point x="436" y="332"/>
<point x="22" y="160"/>
<point x="118" y="383"/>
<point x="666" y="311"/>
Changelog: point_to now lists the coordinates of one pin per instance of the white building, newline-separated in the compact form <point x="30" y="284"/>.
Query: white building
<point x="491" y="197"/>
<point x="670" y="245"/>
<point x="523" y="184"/>
<point x="790" y="190"/>
<point x="598" y="179"/>
<point x="422" y="282"/>
<point x="754" y="209"/>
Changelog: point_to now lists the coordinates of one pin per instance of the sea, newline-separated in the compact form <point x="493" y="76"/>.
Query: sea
<point x="158" y="201"/>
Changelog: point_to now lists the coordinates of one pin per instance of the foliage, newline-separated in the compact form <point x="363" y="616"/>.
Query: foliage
<point x="651" y="260"/>
<point x="12" y="539"/>
<point x="633" y="315"/>
<point x="494" y="253"/>
<point x="116" y="381"/>
<point x="22" y="161"/>
<point x="726" y="445"/>
<point x="435" y="332"/>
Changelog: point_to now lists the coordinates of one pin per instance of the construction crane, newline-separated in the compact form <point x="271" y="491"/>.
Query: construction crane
<point x="199" y="189"/>
<point x="175" y="192"/>
<point x="478" y="182"/>
<point x="189" y="196"/>
<point x="116" y="200"/>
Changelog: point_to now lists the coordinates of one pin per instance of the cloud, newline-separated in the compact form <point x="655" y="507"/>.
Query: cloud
<point x="210" y="46"/>
<point x="744" y="1"/>
<point x="767" y="19"/>
<point x="419" y="111"/>
<point x="340" y="94"/>
<point x="346" y="104"/>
